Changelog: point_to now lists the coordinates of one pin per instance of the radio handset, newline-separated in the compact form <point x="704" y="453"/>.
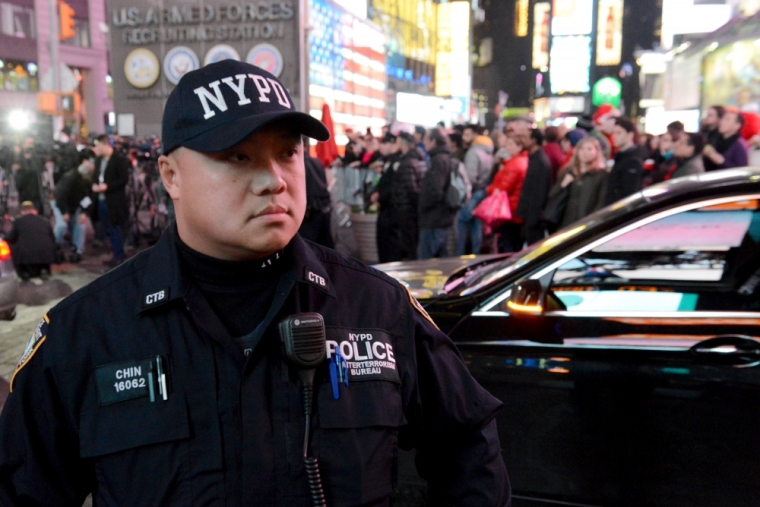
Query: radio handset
<point x="303" y="343"/>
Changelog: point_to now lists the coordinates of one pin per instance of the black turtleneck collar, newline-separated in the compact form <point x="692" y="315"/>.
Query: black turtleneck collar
<point x="207" y="270"/>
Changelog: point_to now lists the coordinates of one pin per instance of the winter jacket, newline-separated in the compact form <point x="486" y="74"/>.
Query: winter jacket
<point x="736" y="155"/>
<point x="434" y="213"/>
<point x="32" y="241"/>
<point x="627" y="175"/>
<point x="116" y="177"/>
<point x="587" y="195"/>
<point x="510" y="179"/>
<point x="556" y="157"/>
<point x="535" y="188"/>
<point x="384" y="186"/>
<point x="27" y="182"/>
<point x="693" y="165"/>
<point x="479" y="161"/>
<point x="70" y="191"/>
<point x="405" y="190"/>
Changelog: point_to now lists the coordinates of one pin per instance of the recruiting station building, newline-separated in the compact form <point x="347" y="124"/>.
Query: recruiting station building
<point x="155" y="42"/>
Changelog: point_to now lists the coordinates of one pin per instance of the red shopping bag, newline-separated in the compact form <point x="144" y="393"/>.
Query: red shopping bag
<point x="494" y="210"/>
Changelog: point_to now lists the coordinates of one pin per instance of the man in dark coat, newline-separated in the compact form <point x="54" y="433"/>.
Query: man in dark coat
<point x="387" y="220"/>
<point x="535" y="187"/>
<point x="27" y="175"/>
<point x="405" y="194"/>
<point x="435" y="216"/>
<point x="730" y="150"/>
<point x="32" y="243"/>
<point x="74" y="198"/>
<point x="111" y="177"/>
<point x="627" y="174"/>
<point x="316" y="222"/>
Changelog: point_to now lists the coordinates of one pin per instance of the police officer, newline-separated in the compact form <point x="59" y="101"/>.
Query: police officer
<point x="165" y="383"/>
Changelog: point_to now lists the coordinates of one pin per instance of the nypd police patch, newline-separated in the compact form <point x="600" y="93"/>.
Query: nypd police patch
<point x="417" y="306"/>
<point x="37" y="339"/>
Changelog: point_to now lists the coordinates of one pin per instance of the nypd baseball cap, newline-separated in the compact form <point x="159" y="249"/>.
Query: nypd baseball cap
<point x="215" y="107"/>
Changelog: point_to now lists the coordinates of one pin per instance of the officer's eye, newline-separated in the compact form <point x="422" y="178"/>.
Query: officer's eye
<point x="238" y="157"/>
<point x="291" y="152"/>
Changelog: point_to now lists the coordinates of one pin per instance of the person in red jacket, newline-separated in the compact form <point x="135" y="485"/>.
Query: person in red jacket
<point x="510" y="179"/>
<point x="553" y="150"/>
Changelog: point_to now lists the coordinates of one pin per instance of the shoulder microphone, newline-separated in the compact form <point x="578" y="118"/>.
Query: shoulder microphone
<point x="303" y="343"/>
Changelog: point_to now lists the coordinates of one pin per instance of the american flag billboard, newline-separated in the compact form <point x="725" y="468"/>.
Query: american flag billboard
<point x="347" y="68"/>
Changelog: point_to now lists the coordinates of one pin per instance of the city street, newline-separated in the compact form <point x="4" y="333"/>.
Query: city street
<point x="404" y="252"/>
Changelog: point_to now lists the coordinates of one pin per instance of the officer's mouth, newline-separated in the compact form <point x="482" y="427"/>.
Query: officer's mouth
<point x="272" y="211"/>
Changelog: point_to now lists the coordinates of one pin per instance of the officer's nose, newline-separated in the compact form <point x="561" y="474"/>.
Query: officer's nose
<point x="269" y="179"/>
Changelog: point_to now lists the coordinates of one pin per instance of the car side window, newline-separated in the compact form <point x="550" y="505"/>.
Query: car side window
<point x="705" y="259"/>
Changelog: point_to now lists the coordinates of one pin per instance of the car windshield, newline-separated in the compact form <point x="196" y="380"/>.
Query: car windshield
<point x="473" y="280"/>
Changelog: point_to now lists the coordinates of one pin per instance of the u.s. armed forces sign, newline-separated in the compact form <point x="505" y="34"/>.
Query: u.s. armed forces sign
<point x="155" y="42"/>
<point x="195" y="23"/>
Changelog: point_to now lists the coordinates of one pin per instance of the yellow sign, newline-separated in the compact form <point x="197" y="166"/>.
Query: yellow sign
<point x="541" y="28"/>
<point x="452" y="62"/>
<point x="522" y="9"/>
<point x="609" y="32"/>
<point x="409" y="26"/>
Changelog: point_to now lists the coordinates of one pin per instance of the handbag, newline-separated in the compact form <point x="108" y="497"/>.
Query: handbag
<point x="554" y="211"/>
<point x="494" y="210"/>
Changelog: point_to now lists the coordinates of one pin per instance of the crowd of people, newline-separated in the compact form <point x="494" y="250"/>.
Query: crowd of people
<point x="552" y="176"/>
<point x="52" y="195"/>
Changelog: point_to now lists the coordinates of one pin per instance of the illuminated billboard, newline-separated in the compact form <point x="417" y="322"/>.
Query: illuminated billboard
<point x="541" y="20"/>
<point x="347" y="67"/>
<point x="731" y="76"/>
<point x="609" y="32"/>
<point x="356" y="7"/>
<point x="572" y="17"/>
<point x="408" y="26"/>
<point x="522" y="10"/>
<point x="452" y="63"/>
<point x="569" y="64"/>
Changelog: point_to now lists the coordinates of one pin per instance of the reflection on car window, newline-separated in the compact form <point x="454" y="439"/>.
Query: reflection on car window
<point x="706" y="259"/>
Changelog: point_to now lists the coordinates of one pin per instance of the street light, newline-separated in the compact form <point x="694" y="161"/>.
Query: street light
<point x="19" y="120"/>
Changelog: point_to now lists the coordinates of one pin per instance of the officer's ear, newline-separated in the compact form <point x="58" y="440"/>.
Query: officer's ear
<point x="167" y="167"/>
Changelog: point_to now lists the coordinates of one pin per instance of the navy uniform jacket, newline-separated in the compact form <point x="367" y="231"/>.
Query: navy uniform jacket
<point x="80" y="418"/>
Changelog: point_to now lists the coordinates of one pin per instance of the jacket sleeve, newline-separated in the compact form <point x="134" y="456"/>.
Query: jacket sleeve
<point x="601" y="190"/>
<point x="472" y="165"/>
<point x="39" y="454"/>
<point x="452" y="425"/>
<point x="632" y="178"/>
<point x="736" y="156"/>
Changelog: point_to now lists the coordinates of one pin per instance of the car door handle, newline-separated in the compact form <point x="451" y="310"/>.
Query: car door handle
<point x="729" y="350"/>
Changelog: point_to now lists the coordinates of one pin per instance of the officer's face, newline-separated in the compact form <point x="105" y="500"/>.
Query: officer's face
<point x="243" y="203"/>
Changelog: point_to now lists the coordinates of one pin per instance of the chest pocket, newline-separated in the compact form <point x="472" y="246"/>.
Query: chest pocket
<point x="358" y="441"/>
<point x="137" y="443"/>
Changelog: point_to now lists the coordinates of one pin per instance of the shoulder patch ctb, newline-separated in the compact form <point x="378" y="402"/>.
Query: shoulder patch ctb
<point x="314" y="279"/>
<point x="37" y="339"/>
<point x="417" y="306"/>
<point x="155" y="298"/>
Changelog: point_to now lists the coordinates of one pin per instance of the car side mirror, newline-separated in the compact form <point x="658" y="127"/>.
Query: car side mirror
<point x="528" y="297"/>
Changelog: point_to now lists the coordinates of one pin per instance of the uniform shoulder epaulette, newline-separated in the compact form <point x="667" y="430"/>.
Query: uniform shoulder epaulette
<point x="37" y="339"/>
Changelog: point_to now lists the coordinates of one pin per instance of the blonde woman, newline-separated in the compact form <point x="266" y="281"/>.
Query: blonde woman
<point x="586" y="176"/>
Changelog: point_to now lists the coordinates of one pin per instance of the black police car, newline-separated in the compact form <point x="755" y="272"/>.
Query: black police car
<point x="625" y="347"/>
